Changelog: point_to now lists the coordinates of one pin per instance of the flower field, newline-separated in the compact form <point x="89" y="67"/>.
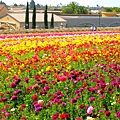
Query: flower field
<point x="55" y="76"/>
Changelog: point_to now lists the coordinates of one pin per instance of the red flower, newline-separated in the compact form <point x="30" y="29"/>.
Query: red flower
<point x="62" y="116"/>
<point x="35" y="97"/>
<point x="85" y="84"/>
<point x="107" y="113"/>
<point x="81" y="106"/>
<point x="73" y="87"/>
<point x="43" y="81"/>
<point x="23" y="118"/>
<point x="67" y="115"/>
<point x="23" y="105"/>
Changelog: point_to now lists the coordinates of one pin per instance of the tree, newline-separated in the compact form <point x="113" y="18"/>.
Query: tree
<point x="1" y="2"/>
<point x="108" y="9"/>
<point x="74" y="8"/>
<point x="67" y="10"/>
<point x="32" y="3"/>
<point x="27" y="17"/>
<point x="45" y="18"/>
<point x="15" y="5"/>
<point x="81" y="10"/>
<point x="34" y="18"/>
<point x="52" y="21"/>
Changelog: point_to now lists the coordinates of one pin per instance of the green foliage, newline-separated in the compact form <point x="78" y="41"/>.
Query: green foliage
<point x="1" y="2"/>
<point x="45" y="18"/>
<point x="86" y="25"/>
<point x="111" y="9"/>
<point x="34" y="18"/>
<point x="52" y="21"/>
<point x="74" y="8"/>
<point x="27" y="17"/>
<point x="81" y="10"/>
<point x="15" y="5"/>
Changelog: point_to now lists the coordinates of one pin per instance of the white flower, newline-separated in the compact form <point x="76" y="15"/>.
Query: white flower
<point x="89" y="118"/>
<point x="41" y="102"/>
<point x="13" y="109"/>
<point x="113" y="103"/>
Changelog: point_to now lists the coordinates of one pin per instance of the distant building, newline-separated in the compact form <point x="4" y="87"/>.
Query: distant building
<point x="17" y="8"/>
<point x="91" y="20"/>
<point x="17" y="20"/>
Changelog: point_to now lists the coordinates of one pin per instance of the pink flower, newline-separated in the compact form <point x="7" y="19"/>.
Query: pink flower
<point x="74" y="100"/>
<point x="23" y="118"/>
<point x="92" y="99"/>
<point x="14" y="97"/>
<point x="101" y="111"/>
<point x="13" y="85"/>
<point x="46" y="88"/>
<point x="62" y="78"/>
<point x="26" y="80"/>
<point x="55" y="116"/>
<point x="7" y="114"/>
<point x="90" y="109"/>
<point x="118" y="114"/>
<point x="3" y="118"/>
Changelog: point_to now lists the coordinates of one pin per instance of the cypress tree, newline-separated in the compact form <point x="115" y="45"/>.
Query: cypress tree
<point x="45" y="18"/>
<point x="34" y="17"/>
<point x="27" y="17"/>
<point x="52" y="22"/>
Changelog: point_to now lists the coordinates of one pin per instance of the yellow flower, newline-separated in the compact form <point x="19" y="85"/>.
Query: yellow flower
<point x="48" y="68"/>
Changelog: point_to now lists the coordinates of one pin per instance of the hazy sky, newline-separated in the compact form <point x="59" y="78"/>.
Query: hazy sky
<point x="105" y="3"/>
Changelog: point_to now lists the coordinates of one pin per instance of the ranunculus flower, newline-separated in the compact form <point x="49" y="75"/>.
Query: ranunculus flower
<point x="55" y="116"/>
<point x="89" y="118"/>
<point x="14" y="97"/>
<point x="92" y="99"/>
<point x="35" y="97"/>
<point x="37" y="109"/>
<point x="90" y="109"/>
<point x="62" y="116"/>
<point x="107" y="113"/>
<point x="13" y="85"/>
<point x="101" y="111"/>
<point x="7" y="114"/>
<point x="46" y="88"/>
<point x="41" y="102"/>
<point x="63" y="104"/>
<point x="26" y="80"/>
<point x="118" y="114"/>
<point x="78" y="118"/>
<point x="67" y="115"/>
<point x="74" y="100"/>
<point x="4" y="99"/>
<point x="62" y="78"/>
<point x="13" y="109"/>
<point x="23" y="118"/>
<point x="81" y="106"/>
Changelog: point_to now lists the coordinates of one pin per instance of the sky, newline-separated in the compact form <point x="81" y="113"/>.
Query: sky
<point x="91" y="3"/>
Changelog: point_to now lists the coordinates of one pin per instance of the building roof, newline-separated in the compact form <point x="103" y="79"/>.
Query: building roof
<point x="39" y="17"/>
<point x="2" y="6"/>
